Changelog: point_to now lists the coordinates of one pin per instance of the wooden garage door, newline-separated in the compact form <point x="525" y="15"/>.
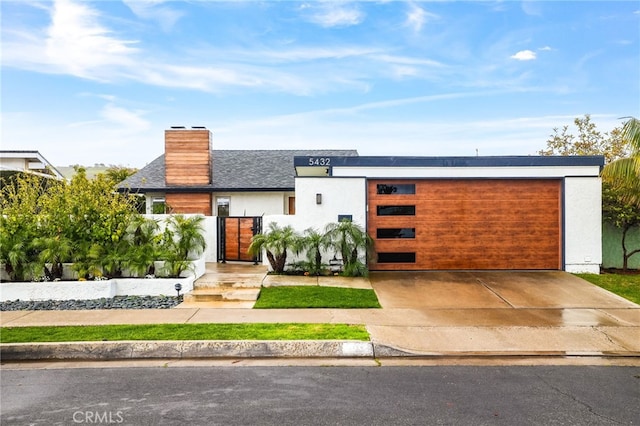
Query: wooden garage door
<point x="465" y="224"/>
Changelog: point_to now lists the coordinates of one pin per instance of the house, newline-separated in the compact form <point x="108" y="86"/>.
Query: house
<point x="456" y="213"/>
<point x="236" y="188"/>
<point x="12" y="161"/>
<point x="424" y="213"/>
<point x="192" y="177"/>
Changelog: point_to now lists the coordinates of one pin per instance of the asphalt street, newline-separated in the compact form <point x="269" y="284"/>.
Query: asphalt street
<point x="460" y="395"/>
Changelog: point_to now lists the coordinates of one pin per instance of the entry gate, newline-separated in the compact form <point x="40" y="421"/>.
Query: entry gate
<point x="234" y="238"/>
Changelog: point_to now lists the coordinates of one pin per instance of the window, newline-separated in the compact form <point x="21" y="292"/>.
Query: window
<point x="396" y="210"/>
<point x="158" y="206"/>
<point x="396" y="233"/>
<point x="397" y="257"/>
<point x="222" y="206"/>
<point x="399" y="188"/>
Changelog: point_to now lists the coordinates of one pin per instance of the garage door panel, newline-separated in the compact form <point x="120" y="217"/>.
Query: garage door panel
<point x="473" y="224"/>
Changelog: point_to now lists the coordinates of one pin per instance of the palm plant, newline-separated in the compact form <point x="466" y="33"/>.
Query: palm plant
<point x="313" y="243"/>
<point x="624" y="174"/>
<point x="143" y="239"/>
<point x="17" y="256"/>
<point x="348" y="238"/>
<point x="183" y="241"/>
<point x="109" y="258"/>
<point x="276" y="242"/>
<point x="54" y="251"/>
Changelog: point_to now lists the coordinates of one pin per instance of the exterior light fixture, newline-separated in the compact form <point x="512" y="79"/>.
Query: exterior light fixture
<point x="318" y="198"/>
<point x="178" y="287"/>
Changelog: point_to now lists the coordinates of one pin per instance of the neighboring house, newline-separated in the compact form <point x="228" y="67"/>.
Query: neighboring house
<point x="33" y="162"/>
<point x="424" y="213"/>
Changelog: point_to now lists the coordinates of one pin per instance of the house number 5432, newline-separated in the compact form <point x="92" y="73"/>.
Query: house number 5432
<point x="322" y="161"/>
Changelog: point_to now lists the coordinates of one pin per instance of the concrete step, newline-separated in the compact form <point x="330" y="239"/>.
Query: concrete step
<point x="220" y="304"/>
<point x="221" y="294"/>
<point x="229" y="280"/>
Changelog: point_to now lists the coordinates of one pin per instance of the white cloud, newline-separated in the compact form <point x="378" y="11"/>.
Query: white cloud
<point x="333" y="14"/>
<point x="127" y="120"/>
<point x="77" y="43"/>
<point x="155" y="10"/>
<point x="417" y="17"/>
<point x="524" y="55"/>
<point x="546" y="48"/>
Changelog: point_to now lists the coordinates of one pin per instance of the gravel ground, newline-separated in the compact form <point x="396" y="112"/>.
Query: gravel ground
<point x="118" y="302"/>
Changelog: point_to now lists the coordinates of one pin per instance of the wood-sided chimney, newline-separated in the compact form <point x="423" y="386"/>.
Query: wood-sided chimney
<point x="187" y="156"/>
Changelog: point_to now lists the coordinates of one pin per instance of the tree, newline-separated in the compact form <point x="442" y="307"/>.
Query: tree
<point x="590" y="141"/>
<point x="348" y="238"/>
<point x="116" y="174"/>
<point x="276" y="243"/>
<point x="21" y="198"/>
<point x="40" y="218"/>
<point x="621" y="174"/>
<point x="623" y="215"/>
<point x="624" y="173"/>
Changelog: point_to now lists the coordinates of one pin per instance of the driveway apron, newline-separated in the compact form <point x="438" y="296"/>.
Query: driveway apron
<point x="502" y="313"/>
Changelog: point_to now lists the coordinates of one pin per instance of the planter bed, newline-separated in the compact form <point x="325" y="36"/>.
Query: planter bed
<point x="118" y="302"/>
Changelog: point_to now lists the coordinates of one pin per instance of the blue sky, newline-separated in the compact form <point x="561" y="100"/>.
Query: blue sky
<point x="89" y="82"/>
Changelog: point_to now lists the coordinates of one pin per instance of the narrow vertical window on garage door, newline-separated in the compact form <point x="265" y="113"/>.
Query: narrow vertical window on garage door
<point x="463" y="224"/>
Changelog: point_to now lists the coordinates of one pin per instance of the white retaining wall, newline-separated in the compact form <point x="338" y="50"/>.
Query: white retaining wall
<point x="85" y="290"/>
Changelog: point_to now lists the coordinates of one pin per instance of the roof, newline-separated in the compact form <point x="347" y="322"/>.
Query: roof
<point x="29" y="161"/>
<point x="235" y="170"/>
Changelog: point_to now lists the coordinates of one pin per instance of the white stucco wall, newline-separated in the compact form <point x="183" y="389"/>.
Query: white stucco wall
<point x="583" y="224"/>
<point x="88" y="290"/>
<point x="340" y="196"/>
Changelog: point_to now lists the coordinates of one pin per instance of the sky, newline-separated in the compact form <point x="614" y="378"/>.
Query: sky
<point x="88" y="82"/>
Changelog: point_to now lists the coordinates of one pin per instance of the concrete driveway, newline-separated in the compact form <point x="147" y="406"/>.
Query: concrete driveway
<point x="502" y="313"/>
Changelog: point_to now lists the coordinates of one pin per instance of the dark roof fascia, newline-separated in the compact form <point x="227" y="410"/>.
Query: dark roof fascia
<point x="200" y="190"/>
<point x="497" y="161"/>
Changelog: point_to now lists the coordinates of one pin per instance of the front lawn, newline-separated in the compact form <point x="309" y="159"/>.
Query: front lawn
<point x="627" y="286"/>
<point x="292" y="297"/>
<point x="249" y="331"/>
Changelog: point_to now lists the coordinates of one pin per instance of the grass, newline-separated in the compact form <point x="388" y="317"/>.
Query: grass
<point x="627" y="286"/>
<point x="250" y="331"/>
<point x="292" y="297"/>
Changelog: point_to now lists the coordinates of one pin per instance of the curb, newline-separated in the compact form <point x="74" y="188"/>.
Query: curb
<point x="187" y="349"/>
<point x="251" y="349"/>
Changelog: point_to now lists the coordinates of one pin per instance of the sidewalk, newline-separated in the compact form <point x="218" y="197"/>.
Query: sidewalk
<point x="477" y="316"/>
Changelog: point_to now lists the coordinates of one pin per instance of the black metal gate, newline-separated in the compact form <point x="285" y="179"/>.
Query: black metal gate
<point x="234" y="237"/>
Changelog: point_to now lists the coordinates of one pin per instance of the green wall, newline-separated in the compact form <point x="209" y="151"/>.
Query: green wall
<point x="612" y="246"/>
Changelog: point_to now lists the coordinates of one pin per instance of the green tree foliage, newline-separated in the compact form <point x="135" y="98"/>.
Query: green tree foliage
<point x="624" y="173"/>
<point x="350" y="240"/>
<point x="116" y="174"/>
<point x="589" y="141"/>
<point x="21" y="198"/>
<point x="45" y="223"/>
<point x="183" y="241"/>
<point x="621" y="174"/>
<point x="623" y="215"/>
<point x="276" y="243"/>
<point x="313" y="243"/>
